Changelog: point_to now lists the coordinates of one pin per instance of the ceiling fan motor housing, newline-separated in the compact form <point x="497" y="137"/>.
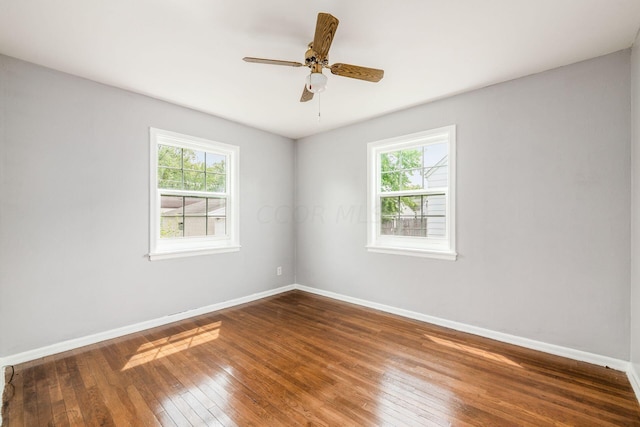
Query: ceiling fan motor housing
<point x="311" y="59"/>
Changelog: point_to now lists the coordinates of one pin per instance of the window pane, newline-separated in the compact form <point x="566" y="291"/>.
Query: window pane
<point x="171" y="205"/>
<point x="412" y="221"/>
<point x="389" y="206"/>
<point x="216" y="206"/>
<point x="216" y="182"/>
<point x="411" y="159"/>
<point x="169" y="178"/>
<point x="389" y="211"/>
<point x="436" y="176"/>
<point x="193" y="180"/>
<point x="195" y="206"/>
<point x="390" y="181"/>
<point x="217" y="212"/>
<point x="389" y="161"/>
<point x="217" y="216"/>
<point x="169" y="156"/>
<point x="193" y="160"/>
<point x="170" y="227"/>
<point x="411" y="179"/>
<point x="436" y="226"/>
<point x="171" y="209"/>
<point x="411" y="205"/>
<point x="435" y="205"/>
<point x="195" y="226"/>
<point x="216" y="226"/>
<point x="436" y="154"/>
<point x="216" y="163"/>
<point x="435" y="209"/>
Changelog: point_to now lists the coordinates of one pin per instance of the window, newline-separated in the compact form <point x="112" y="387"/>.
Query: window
<point x="411" y="183"/>
<point x="194" y="196"/>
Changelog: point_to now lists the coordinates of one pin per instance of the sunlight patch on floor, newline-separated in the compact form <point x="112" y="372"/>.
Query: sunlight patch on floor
<point x="474" y="351"/>
<point x="172" y="344"/>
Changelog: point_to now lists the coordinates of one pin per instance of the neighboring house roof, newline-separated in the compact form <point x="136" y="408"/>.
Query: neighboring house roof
<point x="197" y="208"/>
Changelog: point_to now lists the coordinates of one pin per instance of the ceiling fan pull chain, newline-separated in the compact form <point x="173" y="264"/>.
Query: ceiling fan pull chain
<point x="319" y="108"/>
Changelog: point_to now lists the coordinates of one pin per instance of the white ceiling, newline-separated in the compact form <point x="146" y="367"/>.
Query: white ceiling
<point x="190" y="51"/>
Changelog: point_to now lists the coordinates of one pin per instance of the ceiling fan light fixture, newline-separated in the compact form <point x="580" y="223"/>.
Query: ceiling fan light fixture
<point x="316" y="82"/>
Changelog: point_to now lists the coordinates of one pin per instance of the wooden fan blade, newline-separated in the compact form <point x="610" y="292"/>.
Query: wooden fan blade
<point x="272" y="61"/>
<point x="326" y="27"/>
<point x="306" y="95"/>
<point x="357" y="72"/>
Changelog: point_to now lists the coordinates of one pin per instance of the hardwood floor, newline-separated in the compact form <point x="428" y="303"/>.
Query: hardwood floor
<point x="300" y="359"/>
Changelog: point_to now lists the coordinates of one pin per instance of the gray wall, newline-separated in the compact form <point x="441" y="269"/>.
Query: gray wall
<point x="635" y="207"/>
<point x="543" y="210"/>
<point x="74" y="206"/>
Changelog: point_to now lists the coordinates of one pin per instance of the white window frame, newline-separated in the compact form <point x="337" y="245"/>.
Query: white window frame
<point x="201" y="245"/>
<point x="439" y="248"/>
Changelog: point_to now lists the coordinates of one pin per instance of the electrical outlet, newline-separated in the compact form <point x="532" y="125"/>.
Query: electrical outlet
<point x="279" y="271"/>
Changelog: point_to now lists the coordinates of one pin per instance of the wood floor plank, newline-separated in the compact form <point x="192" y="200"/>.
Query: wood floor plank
<point x="13" y="392"/>
<point x="301" y="359"/>
<point x="93" y="396"/>
<point x="163" y="393"/>
<point x="45" y="414"/>
<point x="59" y="416"/>
<point x="113" y="388"/>
<point x="30" y="397"/>
<point x="68" y="391"/>
<point x="144" y="415"/>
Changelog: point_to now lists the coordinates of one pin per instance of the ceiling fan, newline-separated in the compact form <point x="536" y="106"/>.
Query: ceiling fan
<point x="316" y="58"/>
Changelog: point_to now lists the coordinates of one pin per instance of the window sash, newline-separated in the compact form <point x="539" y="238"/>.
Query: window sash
<point x="184" y="171"/>
<point x="184" y="215"/>
<point x="379" y="216"/>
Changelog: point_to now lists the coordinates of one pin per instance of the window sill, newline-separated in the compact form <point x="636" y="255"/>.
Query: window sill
<point x="424" y="253"/>
<point x="192" y="252"/>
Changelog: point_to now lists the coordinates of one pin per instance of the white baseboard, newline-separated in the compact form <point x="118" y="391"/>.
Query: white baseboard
<point x="125" y="330"/>
<point x="634" y="379"/>
<point x="557" y="350"/>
